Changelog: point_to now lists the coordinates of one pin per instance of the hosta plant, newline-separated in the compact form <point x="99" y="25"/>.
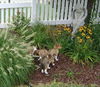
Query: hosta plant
<point x="15" y="62"/>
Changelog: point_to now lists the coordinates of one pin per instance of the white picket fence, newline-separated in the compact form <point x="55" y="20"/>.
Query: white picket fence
<point x="15" y="1"/>
<point x="95" y="16"/>
<point x="47" y="11"/>
<point x="55" y="11"/>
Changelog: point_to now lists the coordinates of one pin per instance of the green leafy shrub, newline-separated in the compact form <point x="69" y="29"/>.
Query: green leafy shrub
<point x="96" y="37"/>
<point x="80" y="47"/>
<point x="15" y="62"/>
<point x="64" y="38"/>
<point x="43" y="36"/>
<point x="83" y="52"/>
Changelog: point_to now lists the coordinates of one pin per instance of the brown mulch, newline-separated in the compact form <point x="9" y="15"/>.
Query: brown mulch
<point x="65" y="71"/>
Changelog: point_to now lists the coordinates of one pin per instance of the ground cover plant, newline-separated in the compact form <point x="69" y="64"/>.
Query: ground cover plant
<point x="15" y="62"/>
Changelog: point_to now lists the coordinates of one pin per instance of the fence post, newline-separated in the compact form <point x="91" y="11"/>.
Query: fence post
<point x="33" y="14"/>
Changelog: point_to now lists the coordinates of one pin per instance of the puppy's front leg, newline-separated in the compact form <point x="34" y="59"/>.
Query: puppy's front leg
<point x="42" y="71"/>
<point x="56" y="58"/>
<point x="40" y="58"/>
<point x="53" y="64"/>
<point x="48" y="66"/>
<point x="45" y="71"/>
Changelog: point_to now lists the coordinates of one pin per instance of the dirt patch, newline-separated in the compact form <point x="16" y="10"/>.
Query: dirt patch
<point x="65" y="71"/>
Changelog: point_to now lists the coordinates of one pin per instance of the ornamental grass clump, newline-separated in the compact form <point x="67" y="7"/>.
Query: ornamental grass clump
<point x="20" y="23"/>
<point x="21" y="27"/>
<point x="15" y="62"/>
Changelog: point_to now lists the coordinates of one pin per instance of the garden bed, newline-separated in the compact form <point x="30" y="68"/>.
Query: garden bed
<point x="82" y="48"/>
<point x="66" y="71"/>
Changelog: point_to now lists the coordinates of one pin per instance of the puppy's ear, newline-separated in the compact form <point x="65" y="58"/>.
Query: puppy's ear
<point x="34" y="48"/>
<point x="36" y="52"/>
<point x="58" y="46"/>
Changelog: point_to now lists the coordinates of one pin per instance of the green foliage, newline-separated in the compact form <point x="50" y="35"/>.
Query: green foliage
<point x="80" y="47"/>
<point x="62" y="35"/>
<point x="21" y="27"/>
<point x="15" y="62"/>
<point x="20" y="23"/>
<point x="70" y="74"/>
<point x="83" y="52"/>
<point x="96" y="37"/>
<point x="66" y="42"/>
<point x="42" y="37"/>
<point x="37" y="34"/>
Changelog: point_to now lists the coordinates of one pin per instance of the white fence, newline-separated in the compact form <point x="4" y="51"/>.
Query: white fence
<point x="15" y="1"/>
<point x="46" y="11"/>
<point x="95" y="16"/>
<point x="9" y="10"/>
<point x="56" y="11"/>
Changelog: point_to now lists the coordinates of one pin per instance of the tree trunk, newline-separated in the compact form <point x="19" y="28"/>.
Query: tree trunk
<point x="89" y="9"/>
